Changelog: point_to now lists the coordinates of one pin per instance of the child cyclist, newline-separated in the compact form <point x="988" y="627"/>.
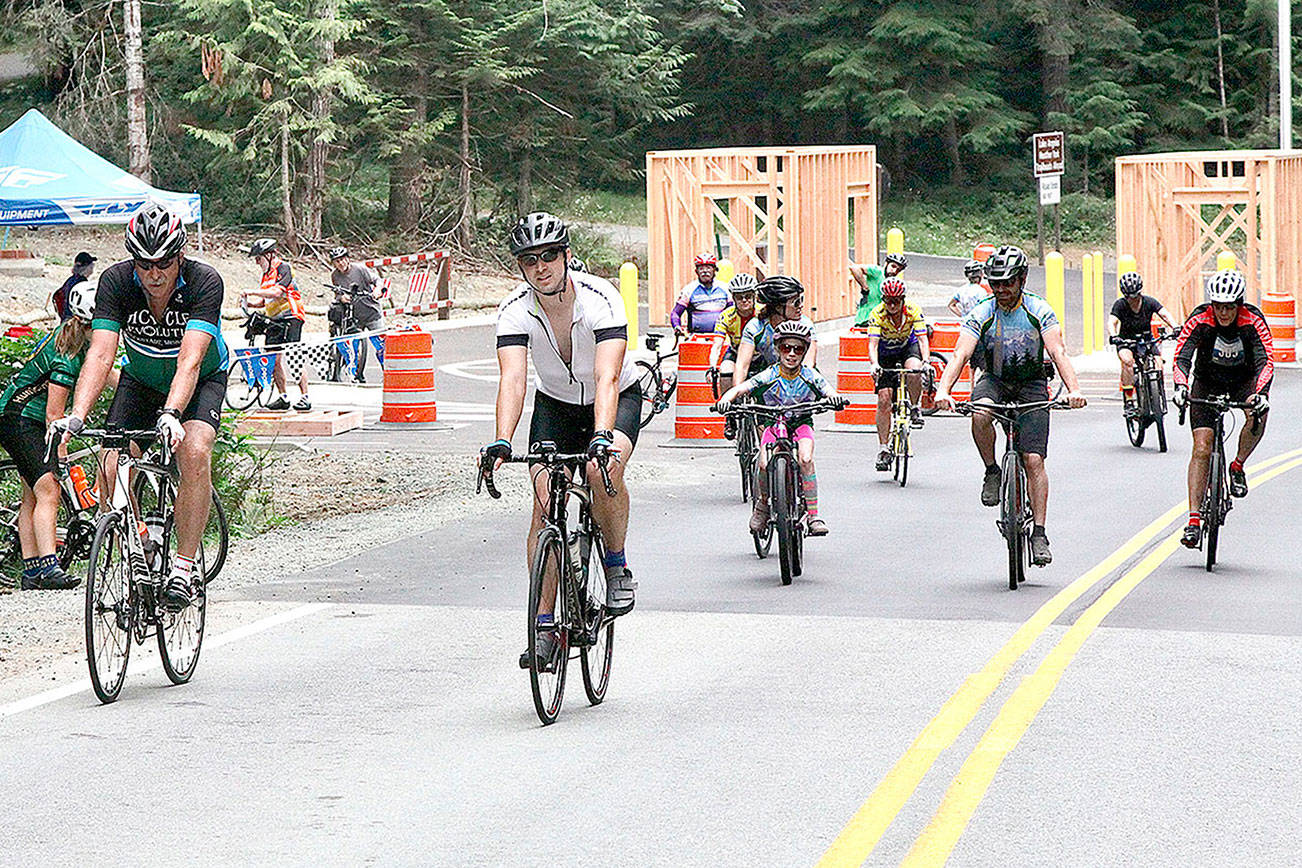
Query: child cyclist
<point x="788" y="382"/>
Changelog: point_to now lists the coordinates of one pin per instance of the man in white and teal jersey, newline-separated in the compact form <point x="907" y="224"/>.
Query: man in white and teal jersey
<point x="166" y="309"/>
<point x="1008" y="336"/>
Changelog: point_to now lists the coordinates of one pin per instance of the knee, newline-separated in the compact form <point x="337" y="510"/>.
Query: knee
<point x="807" y="465"/>
<point x="1202" y="451"/>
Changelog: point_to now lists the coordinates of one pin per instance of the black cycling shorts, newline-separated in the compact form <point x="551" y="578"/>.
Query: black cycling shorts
<point x="570" y="426"/>
<point x="889" y="379"/>
<point x="282" y="332"/>
<point x="1033" y="427"/>
<point x="135" y="405"/>
<point x="1202" y="416"/>
<point x="24" y="440"/>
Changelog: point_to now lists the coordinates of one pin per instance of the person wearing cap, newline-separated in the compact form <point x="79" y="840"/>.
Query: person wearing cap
<point x="869" y="278"/>
<point x="82" y="268"/>
<point x="358" y="286"/>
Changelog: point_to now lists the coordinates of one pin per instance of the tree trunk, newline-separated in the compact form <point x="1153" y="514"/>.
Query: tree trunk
<point x="524" y="183"/>
<point x="290" y="240"/>
<point x="466" y="227"/>
<point x="1220" y="72"/>
<point x="137" y="130"/>
<point x="1055" y="73"/>
<point x="1085" y="169"/>
<point x="318" y="149"/>
<point x="950" y="133"/>
<point x="407" y="171"/>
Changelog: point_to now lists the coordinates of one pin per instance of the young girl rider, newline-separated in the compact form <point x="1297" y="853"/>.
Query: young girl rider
<point x="788" y="382"/>
<point x="36" y="396"/>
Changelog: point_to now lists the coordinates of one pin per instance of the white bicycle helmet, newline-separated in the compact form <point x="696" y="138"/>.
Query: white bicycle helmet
<point x="81" y="300"/>
<point x="1226" y="286"/>
<point x="154" y="233"/>
<point x="742" y="283"/>
<point x="794" y="328"/>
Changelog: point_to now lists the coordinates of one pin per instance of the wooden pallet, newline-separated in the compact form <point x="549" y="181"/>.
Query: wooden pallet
<point x="313" y="423"/>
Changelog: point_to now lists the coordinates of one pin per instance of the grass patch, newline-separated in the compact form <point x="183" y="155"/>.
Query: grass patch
<point x="604" y="206"/>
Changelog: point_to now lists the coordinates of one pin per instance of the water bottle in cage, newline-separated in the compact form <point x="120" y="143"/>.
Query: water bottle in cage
<point x="578" y="561"/>
<point x="85" y="494"/>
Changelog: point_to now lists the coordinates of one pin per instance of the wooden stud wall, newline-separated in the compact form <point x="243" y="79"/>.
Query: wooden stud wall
<point x="787" y="211"/>
<point x="1160" y="221"/>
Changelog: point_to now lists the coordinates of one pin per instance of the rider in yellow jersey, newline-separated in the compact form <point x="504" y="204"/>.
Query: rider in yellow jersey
<point x="730" y="324"/>
<point x="897" y="338"/>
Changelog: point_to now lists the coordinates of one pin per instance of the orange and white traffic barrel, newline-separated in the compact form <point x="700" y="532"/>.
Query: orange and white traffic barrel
<point x="854" y="382"/>
<point x="693" y="418"/>
<point x="409" y="377"/>
<point x="982" y="252"/>
<point x="1279" y="310"/>
<point x="944" y="339"/>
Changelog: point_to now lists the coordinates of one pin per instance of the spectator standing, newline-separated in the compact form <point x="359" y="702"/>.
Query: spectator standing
<point x="82" y="268"/>
<point x="358" y="285"/>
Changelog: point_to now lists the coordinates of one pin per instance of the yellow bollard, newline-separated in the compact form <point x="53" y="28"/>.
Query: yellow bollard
<point x="1226" y="259"/>
<point x="1126" y="264"/>
<point x="1087" y="303"/>
<point x="726" y="271"/>
<point x="1100" y="327"/>
<point x="1053" y="287"/>
<point x="628" y="289"/>
<point x="895" y="240"/>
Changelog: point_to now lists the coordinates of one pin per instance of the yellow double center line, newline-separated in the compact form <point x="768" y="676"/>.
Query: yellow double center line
<point x="856" y="841"/>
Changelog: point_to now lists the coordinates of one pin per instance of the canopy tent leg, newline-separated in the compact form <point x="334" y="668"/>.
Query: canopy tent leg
<point x="4" y="245"/>
<point x="201" y="236"/>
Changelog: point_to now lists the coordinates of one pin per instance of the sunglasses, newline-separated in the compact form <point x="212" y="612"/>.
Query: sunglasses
<point x="792" y="348"/>
<point x="894" y="300"/>
<point x="1003" y="284"/>
<point x="155" y="264"/>
<point x="531" y="259"/>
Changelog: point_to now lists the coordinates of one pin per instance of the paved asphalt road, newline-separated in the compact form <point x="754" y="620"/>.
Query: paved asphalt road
<point x="896" y="702"/>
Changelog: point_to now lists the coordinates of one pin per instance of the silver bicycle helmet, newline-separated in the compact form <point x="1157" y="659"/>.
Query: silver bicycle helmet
<point x="536" y="230"/>
<point x="794" y="328"/>
<point x="1007" y="263"/>
<point x="81" y="300"/>
<point x="154" y="233"/>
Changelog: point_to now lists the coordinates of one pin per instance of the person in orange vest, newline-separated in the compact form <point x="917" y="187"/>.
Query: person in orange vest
<point x="283" y="305"/>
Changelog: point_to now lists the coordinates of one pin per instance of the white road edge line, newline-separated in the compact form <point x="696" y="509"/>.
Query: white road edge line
<point x="54" y="694"/>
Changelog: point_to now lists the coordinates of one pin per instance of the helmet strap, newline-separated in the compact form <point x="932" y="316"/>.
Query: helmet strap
<point x="565" y="282"/>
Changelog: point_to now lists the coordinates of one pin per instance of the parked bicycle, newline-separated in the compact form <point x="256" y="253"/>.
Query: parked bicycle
<point x="1150" y="392"/>
<point x="249" y="381"/>
<point x="657" y="385"/>
<point x="1217" y="501"/>
<point x="127" y="572"/>
<point x="1015" y="521"/>
<point x="787" y="513"/>
<point x="568" y="576"/>
<point x="74" y="521"/>
<point x="902" y="421"/>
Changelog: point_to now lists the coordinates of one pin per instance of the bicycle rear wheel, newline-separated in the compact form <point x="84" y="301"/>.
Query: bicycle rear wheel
<point x="1213" y="505"/>
<point x="109" y="609"/>
<point x="240" y="393"/>
<point x="216" y="539"/>
<point x="781" y="504"/>
<point x="11" y="550"/>
<point x="597" y="656"/>
<point x="1157" y="408"/>
<point x="1135" y="425"/>
<point x="180" y="634"/>
<point x="650" y="382"/>
<point x="547" y="681"/>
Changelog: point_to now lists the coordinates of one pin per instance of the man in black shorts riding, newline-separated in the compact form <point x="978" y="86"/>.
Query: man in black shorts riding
<point x="1132" y="318"/>
<point x="587" y="397"/>
<point x="167" y="311"/>
<point x="1225" y="345"/>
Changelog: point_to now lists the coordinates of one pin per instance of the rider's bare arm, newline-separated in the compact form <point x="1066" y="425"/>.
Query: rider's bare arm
<point x="745" y="352"/>
<point x="1057" y="350"/>
<point x="609" y="363"/>
<point x="189" y="359"/>
<point x="513" y="363"/>
<point x="962" y="355"/>
<point x="1114" y="325"/>
<point x="95" y="370"/>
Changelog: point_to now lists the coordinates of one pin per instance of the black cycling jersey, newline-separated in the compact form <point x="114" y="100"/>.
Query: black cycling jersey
<point x="1136" y="324"/>
<point x="152" y="346"/>
<point x="1224" y="357"/>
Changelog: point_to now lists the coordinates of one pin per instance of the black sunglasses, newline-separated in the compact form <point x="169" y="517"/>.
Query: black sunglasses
<point x="155" y="264"/>
<point x="529" y="259"/>
<point x="792" y="347"/>
<point x="1000" y="284"/>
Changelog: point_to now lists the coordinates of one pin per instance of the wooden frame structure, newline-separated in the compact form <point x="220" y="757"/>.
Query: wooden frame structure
<point x="784" y="211"/>
<point x="1176" y="211"/>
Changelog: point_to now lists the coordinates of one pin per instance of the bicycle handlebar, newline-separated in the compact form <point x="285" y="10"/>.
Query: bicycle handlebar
<point x="1130" y="343"/>
<point x="548" y="458"/>
<point x="821" y="406"/>
<point x="1218" y="402"/>
<point x="1008" y="411"/>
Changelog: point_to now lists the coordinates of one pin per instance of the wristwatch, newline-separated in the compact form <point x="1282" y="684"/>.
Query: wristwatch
<point x="170" y="411"/>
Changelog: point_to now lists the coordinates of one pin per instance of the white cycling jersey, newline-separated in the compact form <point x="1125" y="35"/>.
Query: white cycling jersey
<point x="598" y="316"/>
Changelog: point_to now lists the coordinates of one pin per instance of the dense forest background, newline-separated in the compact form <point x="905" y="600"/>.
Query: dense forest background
<point x="443" y="119"/>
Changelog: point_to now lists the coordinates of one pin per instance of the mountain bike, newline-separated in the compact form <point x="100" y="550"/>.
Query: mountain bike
<point x="902" y="416"/>
<point x="1015" y="522"/>
<point x="1217" y="501"/>
<point x="127" y="572"/>
<point x="657" y="386"/>
<point x="569" y="574"/>
<point x="1150" y="393"/>
<point x="787" y="512"/>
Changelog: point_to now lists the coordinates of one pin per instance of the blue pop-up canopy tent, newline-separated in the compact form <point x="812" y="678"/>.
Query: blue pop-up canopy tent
<point x="48" y="178"/>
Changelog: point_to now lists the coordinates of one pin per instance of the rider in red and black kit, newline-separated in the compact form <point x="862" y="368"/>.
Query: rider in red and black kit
<point x="1226" y="346"/>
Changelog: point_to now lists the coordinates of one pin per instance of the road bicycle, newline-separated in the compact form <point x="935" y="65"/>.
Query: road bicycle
<point x="787" y="509"/>
<point x="1150" y="392"/>
<point x="127" y="571"/>
<point x="569" y="574"/>
<point x="1015" y="522"/>
<point x="903" y="414"/>
<point x="1217" y="501"/>
<point x="656" y="385"/>
<point x="249" y="380"/>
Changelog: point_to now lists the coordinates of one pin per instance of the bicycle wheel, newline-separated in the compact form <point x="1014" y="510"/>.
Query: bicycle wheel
<point x="746" y="459"/>
<point x="109" y="610"/>
<point x="597" y="656"/>
<point x="927" y="402"/>
<point x="216" y="539"/>
<point x="1157" y="409"/>
<point x="11" y="550"/>
<point x="901" y="440"/>
<point x="1135" y="425"/>
<point x="650" y="382"/>
<point x="1214" y="505"/>
<point x="548" y="682"/>
<point x="180" y="634"/>
<point x="780" y="503"/>
<point x="240" y="393"/>
<point x="1011" y="508"/>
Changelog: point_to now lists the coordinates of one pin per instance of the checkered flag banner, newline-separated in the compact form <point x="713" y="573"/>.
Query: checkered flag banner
<point x="315" y="353"/>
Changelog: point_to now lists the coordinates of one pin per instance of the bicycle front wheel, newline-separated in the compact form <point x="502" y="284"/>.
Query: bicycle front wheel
<point x="1157" y="407"/>
<point x="109" y="610"/>
<point x="1214" y="505"/>
<point x="780" y="502"/>
<point x="547" y="677"/>
<point x="1011" y="510"/>
<point x="598" y="654"/>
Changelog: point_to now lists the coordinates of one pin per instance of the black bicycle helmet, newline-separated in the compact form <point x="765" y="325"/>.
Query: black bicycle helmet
<point x="536" y="230"/>
<point x="779" y="289"/>
<point x="1130" y="283"/>
<point x="973" y="268"/>
<point x="794" y="328"/>
<point x="262" y="246"/>
<point x="1007" y="263"/>
<point x="154" y="233"/>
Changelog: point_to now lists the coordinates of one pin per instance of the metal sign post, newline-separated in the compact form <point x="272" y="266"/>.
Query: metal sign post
<point x="1048" y="160"/>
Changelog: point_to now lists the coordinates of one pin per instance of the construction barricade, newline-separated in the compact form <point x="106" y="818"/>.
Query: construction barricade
<point x="1279" y="311"/>
<point x="430" y="268"/>
<point x="944" y="338"/>
<point x="409" y="378"/>
<point x="693" y="418"/>
<point x="854" y="382"/>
